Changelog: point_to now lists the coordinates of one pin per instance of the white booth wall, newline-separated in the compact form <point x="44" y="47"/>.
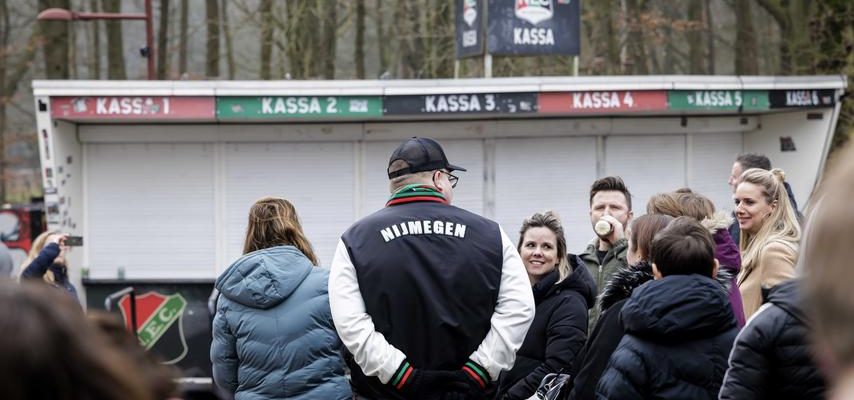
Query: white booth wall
<point x="167" y="201"/>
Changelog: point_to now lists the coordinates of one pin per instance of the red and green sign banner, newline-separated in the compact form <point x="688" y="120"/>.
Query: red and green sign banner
<point x="594" y="102"/>
<point x="155" y="313"/>
<point x="289" y="107"/>
<point x="132" y="108"/>
<point x="718" y="100"/>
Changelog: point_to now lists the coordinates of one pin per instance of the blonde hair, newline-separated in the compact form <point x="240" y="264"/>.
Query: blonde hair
<point x="551" y="221"/>
<point x="781" y="226"/>
<point x="35" y="249"/>
<point x="273" y="221"/>
<point x="826" y="258"/>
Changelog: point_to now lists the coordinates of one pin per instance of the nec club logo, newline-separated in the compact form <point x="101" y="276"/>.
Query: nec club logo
<point x="160" y="322"/>
<point x="534" y="11"/>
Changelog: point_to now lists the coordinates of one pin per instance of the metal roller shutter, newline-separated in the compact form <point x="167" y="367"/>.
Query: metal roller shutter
<point x="150" y="233"/>
<point x="648" y="164"/>
<point x="712" y="155"/>
<point x="317" y="177"/>
<point x="536" y="174"/>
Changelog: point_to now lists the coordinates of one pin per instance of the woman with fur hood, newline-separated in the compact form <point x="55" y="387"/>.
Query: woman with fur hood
<point x="685" y="202"/>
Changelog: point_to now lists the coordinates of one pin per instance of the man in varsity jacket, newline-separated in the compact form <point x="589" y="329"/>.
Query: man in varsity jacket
<point x="429" y="299"/>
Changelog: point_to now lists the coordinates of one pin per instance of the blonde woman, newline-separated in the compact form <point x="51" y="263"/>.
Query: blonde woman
<point x="273" y="335"/>
<point x="770" y="234"/>
<point x="46" y="261"/>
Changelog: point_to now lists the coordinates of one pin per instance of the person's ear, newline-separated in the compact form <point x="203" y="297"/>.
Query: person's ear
<point x="715" y="269"/>
<point x="437" y="175"/>
<point x="655" y="272"/>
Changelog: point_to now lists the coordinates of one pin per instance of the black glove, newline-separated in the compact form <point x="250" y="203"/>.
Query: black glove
<point x="472" y="382"/>
<point x="419" y="384"/>
<point x="477" y="374"/>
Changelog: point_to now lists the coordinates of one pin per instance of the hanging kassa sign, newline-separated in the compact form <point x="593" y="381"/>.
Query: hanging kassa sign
<point x="533" y="27"/>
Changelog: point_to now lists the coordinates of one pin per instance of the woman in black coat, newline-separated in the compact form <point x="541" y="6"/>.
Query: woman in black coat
<point x="771" y="358"/>
<point x="563" y="291"/>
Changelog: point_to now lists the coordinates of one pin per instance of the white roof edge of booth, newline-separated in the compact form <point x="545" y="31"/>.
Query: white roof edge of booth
<point x="431" y="86"/>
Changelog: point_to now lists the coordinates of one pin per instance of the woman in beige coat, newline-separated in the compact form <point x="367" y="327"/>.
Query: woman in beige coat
<point x="770" y="234"/>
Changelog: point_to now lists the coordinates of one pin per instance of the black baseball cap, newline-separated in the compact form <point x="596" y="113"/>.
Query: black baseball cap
<point x="422" y="154"/>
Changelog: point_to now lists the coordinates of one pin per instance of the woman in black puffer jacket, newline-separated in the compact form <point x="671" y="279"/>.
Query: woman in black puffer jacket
<point x="563" y="291"/>
<point x="771" y="358"/>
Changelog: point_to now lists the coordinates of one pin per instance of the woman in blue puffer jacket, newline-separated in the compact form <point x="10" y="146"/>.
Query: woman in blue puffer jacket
<point x="273" y="335"/>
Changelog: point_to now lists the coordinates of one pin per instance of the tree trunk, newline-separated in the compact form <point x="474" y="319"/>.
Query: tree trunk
<point x="382" y="36"/>
<point x="183" y="38"/>
<point x="115" y="43"/>
<point x="163" y="41"/>
<point x="634" y="60"/>
<point x="212" y="48"/>
<point x="710" y="38"/>
<point x="695" y="38"/>
<point x="745" y="40"/>
<point x="229" y="49"/>
<point x="95" y="44"/>
<point x="359" y="56"/>
<point x="779" y="10"/>
<point x="56" y="47"/>
<point x="10" y="78"/>
<point x="603" y="37"/>
<point x="304" y="50"/>
<point x="266" y="12"/>
<point x="329" y="9"/>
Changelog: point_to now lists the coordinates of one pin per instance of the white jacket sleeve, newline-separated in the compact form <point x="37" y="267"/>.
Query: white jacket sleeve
<point x="370" y="349"/>
<point x="512" y="317"/>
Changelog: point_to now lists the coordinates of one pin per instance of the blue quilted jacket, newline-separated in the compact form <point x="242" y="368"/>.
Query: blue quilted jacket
<point x="273" y="335"/>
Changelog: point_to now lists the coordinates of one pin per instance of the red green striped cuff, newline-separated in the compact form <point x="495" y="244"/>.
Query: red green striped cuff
<point x="402" y="375"/>
<point x="477" y="373"/>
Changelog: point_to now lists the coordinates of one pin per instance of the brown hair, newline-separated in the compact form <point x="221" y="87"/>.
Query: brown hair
<point x="695" y="205"/>
<point x="826" y="259"/>
<point x="550" y="220"/>
<point x="681" y="202"/>
<point x="665" y="204"/>
<point x="611" y="183"/>
<point x="273" y="221"/>
<point x="643" y="230"/>
<point x="684" y="247"/>
<point x="51" y="352"/>
<point x="753" y="160"/>
<point x="159" y="378"/>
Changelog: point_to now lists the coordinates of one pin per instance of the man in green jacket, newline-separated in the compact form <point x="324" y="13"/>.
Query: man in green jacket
<point x="611" y="202"/>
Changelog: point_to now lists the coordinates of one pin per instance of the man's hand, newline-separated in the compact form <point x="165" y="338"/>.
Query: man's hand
<point x="616" y="233"/>
<point x="421" y="384"/>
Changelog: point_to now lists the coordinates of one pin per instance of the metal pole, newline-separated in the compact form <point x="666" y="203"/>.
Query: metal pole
<point x="133" y="313"/>
<point x="149" y="38"/>
<point x="575" y="66"/>
<point x="487" y="65"/>
<point x="457" y="69"/>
